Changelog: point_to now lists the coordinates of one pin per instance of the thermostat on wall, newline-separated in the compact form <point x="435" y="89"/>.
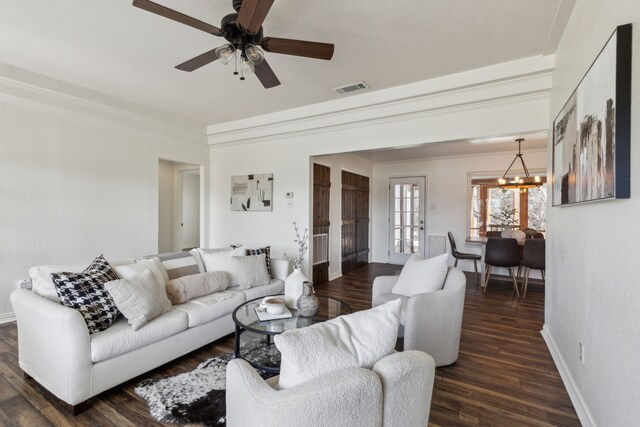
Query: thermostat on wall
<point x="289" y="194"/>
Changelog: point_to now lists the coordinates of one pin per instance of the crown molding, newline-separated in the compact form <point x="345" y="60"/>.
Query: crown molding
<point x="503" y="83"/>
<point x="25" y="88"/>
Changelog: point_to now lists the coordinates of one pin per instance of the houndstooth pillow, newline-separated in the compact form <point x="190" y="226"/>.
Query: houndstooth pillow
<point x="86" y="293"/>
<point x="267" y="257"/>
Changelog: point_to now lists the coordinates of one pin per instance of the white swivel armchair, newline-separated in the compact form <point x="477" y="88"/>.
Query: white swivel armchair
<point x="396" y="392"/>
<point x="430" y="322"/>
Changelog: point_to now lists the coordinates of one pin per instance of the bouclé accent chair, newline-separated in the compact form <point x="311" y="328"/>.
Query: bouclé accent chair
<point x="396" y="392"/>
<point x="432" y="321"/>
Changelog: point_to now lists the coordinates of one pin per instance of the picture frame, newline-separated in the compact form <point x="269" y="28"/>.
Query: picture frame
<point x="252" y="192"/>
<point x="592" y="131"/>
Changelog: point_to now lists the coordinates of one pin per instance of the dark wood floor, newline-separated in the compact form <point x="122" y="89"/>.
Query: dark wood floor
<point x="504" y="376"/>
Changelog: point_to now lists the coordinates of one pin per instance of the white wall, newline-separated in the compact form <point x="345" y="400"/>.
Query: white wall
<point x="503" y="99"/>
<point x="592" y="275"/>
<point x="339" y="163"/>
<point x="79" y="178"/>
<point x="446" y="189"/>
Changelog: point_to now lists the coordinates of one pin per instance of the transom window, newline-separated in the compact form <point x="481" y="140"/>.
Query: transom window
<point x="494" y="209"/>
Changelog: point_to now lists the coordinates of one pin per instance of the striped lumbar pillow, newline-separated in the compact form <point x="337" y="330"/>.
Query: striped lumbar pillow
<point x="179" y="264"/>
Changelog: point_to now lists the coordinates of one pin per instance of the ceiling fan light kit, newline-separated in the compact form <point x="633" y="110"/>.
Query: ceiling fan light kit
<point x="243" y="30"/>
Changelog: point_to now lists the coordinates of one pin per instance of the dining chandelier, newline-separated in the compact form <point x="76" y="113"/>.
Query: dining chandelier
<point x="518" y="182"/>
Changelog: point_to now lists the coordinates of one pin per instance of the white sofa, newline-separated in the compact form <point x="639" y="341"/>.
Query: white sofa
<point x="432" y="321"/>
<point x="56" y="349"/>
<point x="396" y="392"/>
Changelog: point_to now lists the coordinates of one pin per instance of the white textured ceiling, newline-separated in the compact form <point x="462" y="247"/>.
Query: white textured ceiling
<point x="113" y="48"/>
<point x="461" y="147"/>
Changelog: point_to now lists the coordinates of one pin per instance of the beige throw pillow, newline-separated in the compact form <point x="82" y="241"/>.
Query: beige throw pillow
<point x="131" y="270"/>
<point x="251" y="270"/>
<point x="220" y="260"/>
<point x="353" y="340"/>
<point x="421" y="275"/>
<point x="140" y="298"/>
<point x="196" y="285"/>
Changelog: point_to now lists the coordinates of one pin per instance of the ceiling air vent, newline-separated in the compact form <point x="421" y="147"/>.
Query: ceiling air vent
<point x="353" y="87"/>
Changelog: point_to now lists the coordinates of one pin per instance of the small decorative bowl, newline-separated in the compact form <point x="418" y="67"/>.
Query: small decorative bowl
<point x="274" y="305"/>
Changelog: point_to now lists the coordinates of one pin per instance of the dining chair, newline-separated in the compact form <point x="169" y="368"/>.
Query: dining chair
<point x="463" y="255"/>
<point x="538" y="235"/>
<point x="501" y="253"/>
<point x="532" y="258"/>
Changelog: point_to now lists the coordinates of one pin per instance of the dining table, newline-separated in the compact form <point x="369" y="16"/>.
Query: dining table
<point x="483" y="242"/>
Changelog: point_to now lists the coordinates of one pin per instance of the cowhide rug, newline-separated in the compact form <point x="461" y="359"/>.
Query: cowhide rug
<point x="193" y="397"/>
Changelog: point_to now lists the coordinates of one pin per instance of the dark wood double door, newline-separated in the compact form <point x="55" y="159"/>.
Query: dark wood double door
<point x="355" y="219"/>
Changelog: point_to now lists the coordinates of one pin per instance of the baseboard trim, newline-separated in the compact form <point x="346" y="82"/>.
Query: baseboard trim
<point x="574" y="394"/>
<point x="335" y="275"/>
<point x="7" y="317"/>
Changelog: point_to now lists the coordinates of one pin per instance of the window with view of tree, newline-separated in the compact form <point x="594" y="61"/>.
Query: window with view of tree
<point x="494" y="209"/>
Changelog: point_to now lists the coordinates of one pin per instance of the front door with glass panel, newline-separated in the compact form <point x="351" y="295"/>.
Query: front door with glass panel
<point x="406" y="218"/>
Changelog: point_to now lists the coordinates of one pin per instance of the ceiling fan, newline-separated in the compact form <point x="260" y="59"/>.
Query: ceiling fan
<point x="243" y="31"/>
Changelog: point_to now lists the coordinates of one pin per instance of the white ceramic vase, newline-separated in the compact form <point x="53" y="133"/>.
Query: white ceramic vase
<point x="518" y="235"/>
<point x="293" y="287"/>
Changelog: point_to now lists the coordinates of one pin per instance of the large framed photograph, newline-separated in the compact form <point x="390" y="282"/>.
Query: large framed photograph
<point x="591" y="135"/>
<point x="252" y="192"/>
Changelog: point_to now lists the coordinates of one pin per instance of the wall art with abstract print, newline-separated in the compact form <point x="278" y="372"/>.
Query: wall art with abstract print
<point x="252" y="192"/>
<point x="591" y="135"/>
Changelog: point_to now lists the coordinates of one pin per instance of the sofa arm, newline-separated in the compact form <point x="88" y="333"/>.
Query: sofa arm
<point x="53" y="346"/>
<point x="279" y="268"/>
<point x="381" y="285"/>
<point x="407" y="381"/>
<point x="343" y="398"/>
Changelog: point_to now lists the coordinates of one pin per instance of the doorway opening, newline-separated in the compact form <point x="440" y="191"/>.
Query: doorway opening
<point x="179" y="206"/>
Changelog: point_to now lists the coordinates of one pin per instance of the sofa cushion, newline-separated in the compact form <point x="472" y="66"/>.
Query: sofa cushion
<point x="355" y="340"/>
<point x="385" y="298"/>
<point x="140" y="298"/>
<point x="86" y="293"/>
<point x="185" y="288"/>
<point x="251" y="270"/>
<point x="120" y="338"/>
<point x="420" y="275"/>
<point x="179" y="264"/>
<point x="210" y="307"/>
<point x="275" y="286"/>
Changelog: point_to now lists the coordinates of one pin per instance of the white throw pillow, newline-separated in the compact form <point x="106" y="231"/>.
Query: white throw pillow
<point x="140" y="298"/>
<point x="220" y="260"/>
<point x="192" y="286"/>
<point x="41" y="282"/>
<point x="252" y="270"/>
<point x="354" y="340"/>
<point x="420" y="275"/>
<point x="131" y="270"/>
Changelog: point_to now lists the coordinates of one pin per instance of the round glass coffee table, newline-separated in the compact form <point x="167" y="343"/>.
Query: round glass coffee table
<point x="253" y="338"/>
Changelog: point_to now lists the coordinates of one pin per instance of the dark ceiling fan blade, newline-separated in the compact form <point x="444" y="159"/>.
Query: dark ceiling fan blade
<point x="266" y="75"/>
<point x="298" y="48"/>
<point x="198" y="61"/>
<point x="152" y="7"/>
<point x="252" y="14"/>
